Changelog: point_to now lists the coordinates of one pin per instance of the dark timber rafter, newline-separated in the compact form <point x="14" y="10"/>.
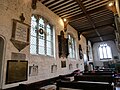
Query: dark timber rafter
<point x="91" y="18"/>
<point x="105" y="35"/>
<point x="89" y="12"/>
<point x="98" y="27"/>
<point x="88" y="17"/>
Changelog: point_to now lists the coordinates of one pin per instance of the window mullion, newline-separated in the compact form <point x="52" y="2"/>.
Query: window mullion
<point x="37" y="36"/>
<point x="45" y="44"/>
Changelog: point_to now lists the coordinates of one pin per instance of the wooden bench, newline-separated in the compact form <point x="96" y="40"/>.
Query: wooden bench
<point x="85" y="85"/>
<point x="98" y="73"/>
<point x="88" y="82"/>
<point x="95" y="78"/>
<point x="37" y="85"/>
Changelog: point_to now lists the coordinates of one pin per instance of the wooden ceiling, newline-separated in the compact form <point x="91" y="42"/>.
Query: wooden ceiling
<point x="91" y="18"/>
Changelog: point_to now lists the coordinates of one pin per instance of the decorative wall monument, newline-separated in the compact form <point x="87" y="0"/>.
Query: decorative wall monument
<point x="63" y="45"/>
<point x="33" y="70"/>
<point x="20" y="34"/>
<point x="63" y="64"/>
<point x="53" y="68"/>
<point x="70" y="66"/>
<point x="18" y="56"/>
<point x="77" y="65"/>
<point x="80" y="52"/>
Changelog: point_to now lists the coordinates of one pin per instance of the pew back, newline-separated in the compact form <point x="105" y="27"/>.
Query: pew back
<point x="98" y="73"/>
<point x="95" y="78"/>
<point x="83" y="85"/>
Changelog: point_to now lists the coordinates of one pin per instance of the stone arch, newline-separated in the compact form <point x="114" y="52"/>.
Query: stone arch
<point x="2" y="48"/>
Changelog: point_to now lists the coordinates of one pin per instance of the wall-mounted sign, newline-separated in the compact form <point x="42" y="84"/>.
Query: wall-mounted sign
<point x="20" y="34"/>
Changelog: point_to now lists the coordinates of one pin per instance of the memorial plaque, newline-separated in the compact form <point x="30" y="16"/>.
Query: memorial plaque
<point x="20" y="34"/>
<point x="16" y="71"/>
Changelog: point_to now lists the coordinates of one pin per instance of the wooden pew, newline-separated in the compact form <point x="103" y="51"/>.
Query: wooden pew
<point x="96" y="78"/>
<point x="88" y="82"/>
<point x="99" y="73"/>
<point x="37" y="85"/>
<point x="83" y="85"/>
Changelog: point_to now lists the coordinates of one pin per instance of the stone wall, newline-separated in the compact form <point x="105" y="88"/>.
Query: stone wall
<point x="12" y="9"/>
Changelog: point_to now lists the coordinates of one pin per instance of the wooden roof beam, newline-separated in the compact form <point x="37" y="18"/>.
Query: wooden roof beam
<point x="88" y="17"/>
<point x="88" y="12"/>
<point x="91" y="29"/>
<point x="109" y="34"/>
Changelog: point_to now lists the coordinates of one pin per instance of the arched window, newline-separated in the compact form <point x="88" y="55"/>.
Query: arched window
<point x="41" y="41"/>
<point x="105" y="51"/>
<point x="71" y="44"/>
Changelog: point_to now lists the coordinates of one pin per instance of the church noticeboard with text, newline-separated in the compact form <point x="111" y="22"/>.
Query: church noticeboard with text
<point x="20" y="34"/>
<point x="16" y="71"/>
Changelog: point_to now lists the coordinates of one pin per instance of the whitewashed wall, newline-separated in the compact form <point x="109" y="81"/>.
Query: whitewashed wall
<point x="12" y="9"/>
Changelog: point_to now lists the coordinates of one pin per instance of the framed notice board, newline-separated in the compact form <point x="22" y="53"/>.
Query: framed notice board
<point x="17" y="70"/>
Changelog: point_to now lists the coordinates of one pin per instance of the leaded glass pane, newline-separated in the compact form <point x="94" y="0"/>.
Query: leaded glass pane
<point x="33" y="26"/>
<point x="71" y="46"/>
<point x="109" y="52"/>
<point x="33" y="40"/>
<point x="41" y="50"/>
<point x="42" y="43"/>
<point x="41" y="23"/>
<point x="49" y="44"/>
<point x="33" y="49"/>
<point x="49" y="51"/>
<point x="101" y="54"/>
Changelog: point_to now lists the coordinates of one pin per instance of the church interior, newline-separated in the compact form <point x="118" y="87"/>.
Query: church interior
<point x="60" y="44"/>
